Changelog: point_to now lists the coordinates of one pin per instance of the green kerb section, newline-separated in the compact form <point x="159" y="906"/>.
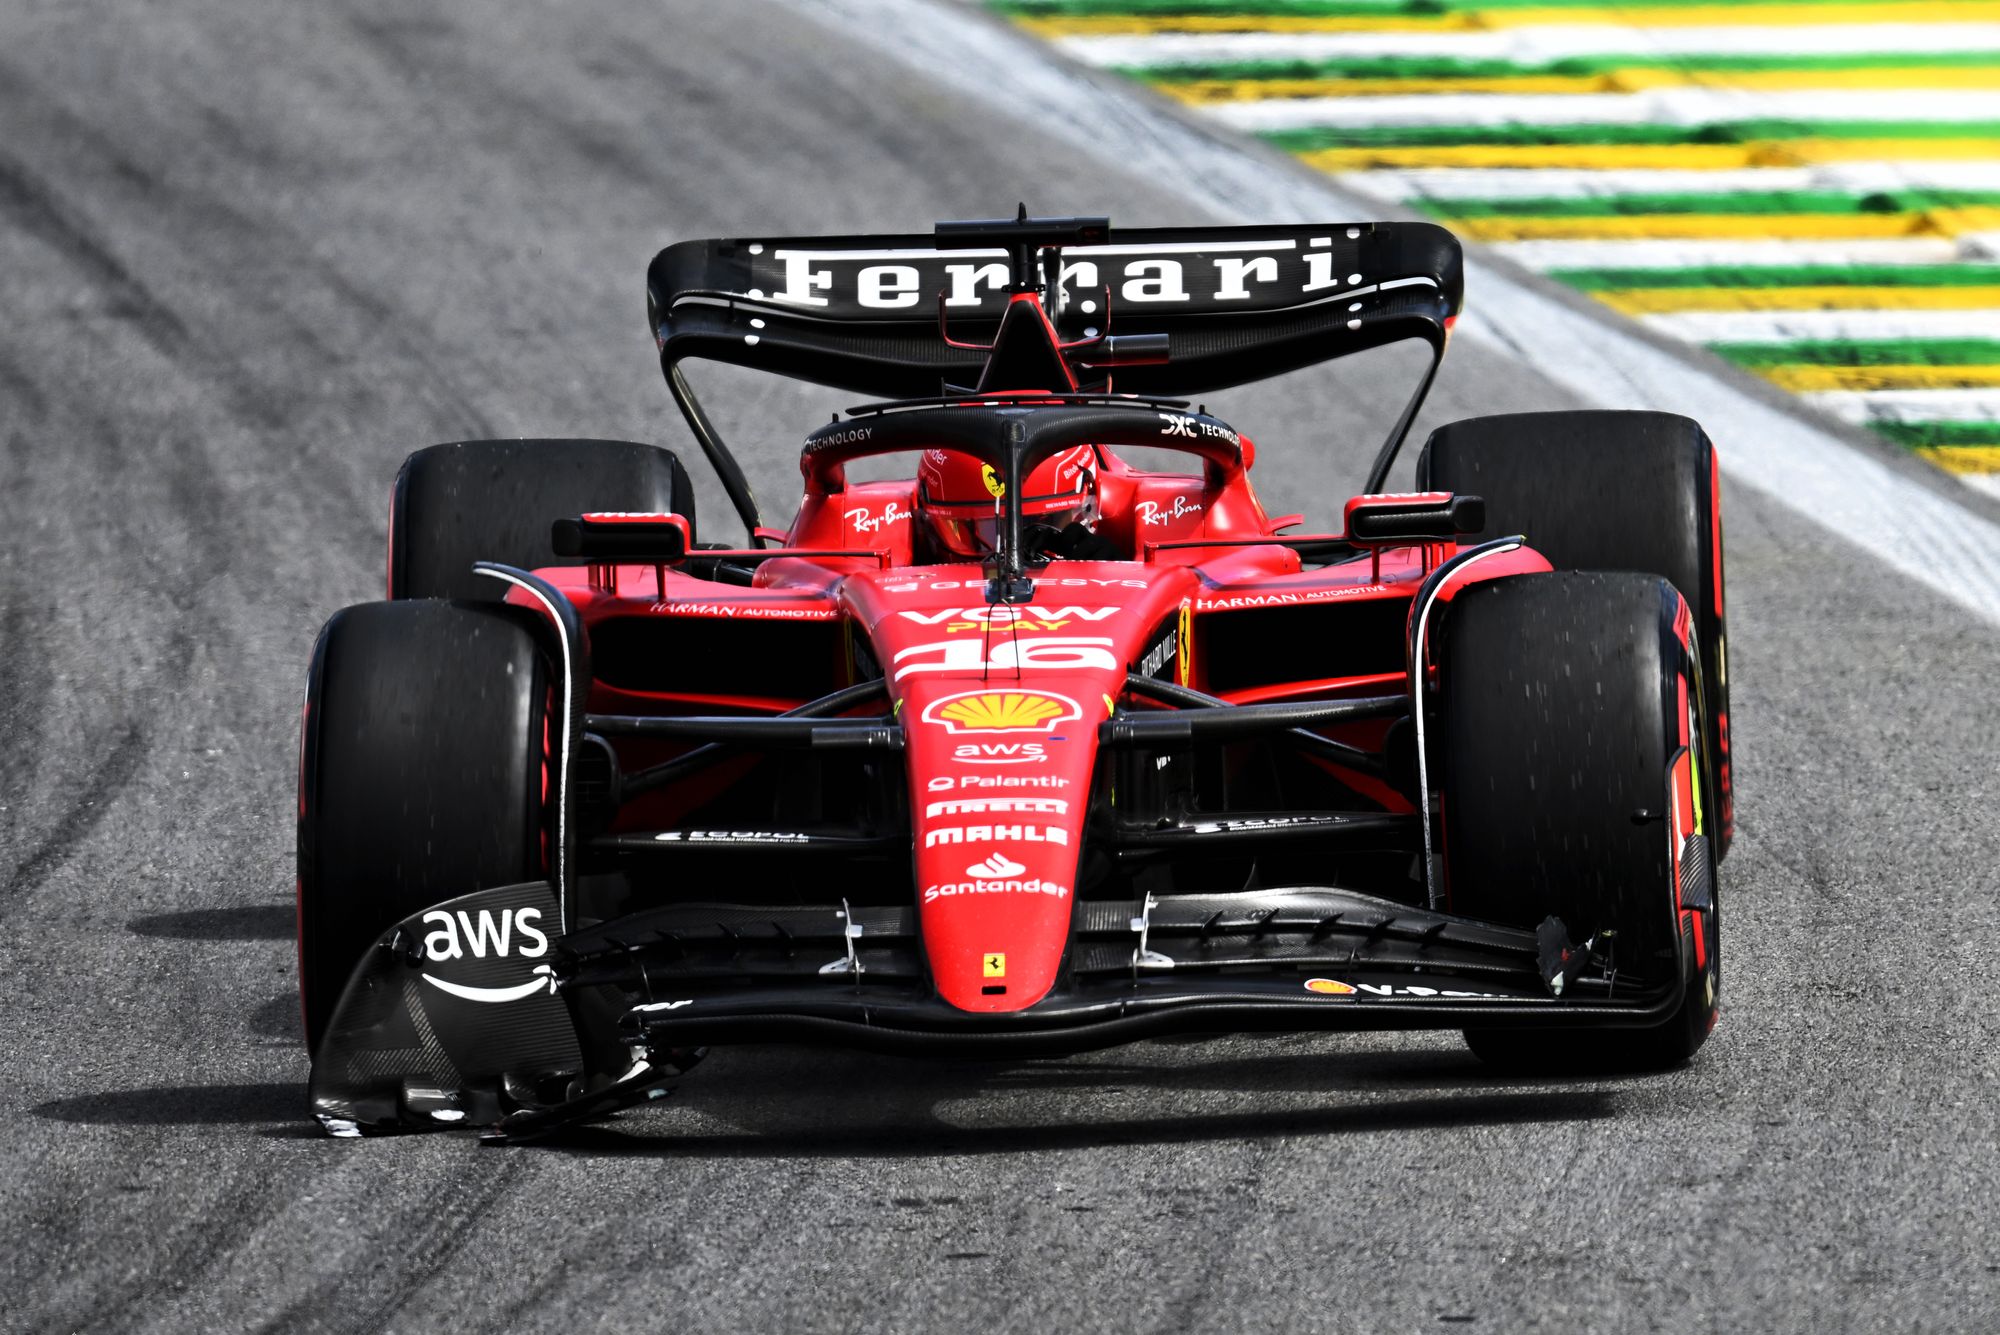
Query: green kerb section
<point x="1745" y="202"/>
<point x="1786" y="275"/>
<point x="1330" y="9"/>
<point x="1317" y="137"/>
<point x="1872" y="352"/>
<point x="1573" y="67"/>
<point x="1940" y="433"/>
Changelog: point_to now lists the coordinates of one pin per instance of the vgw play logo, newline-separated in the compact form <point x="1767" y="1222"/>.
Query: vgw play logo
<point x="500" y="935"/>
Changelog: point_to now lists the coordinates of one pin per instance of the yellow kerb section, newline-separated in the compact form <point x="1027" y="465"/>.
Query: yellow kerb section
<point x="1210" y="91"/>
<point x="1781" y="226"/>
<point x="1676" y="157"/>
<point x="1486" y="20"/>
<point x="1667" y="300"/>
<point x="1963" y="458"/>
<point x="1807" y="379"/>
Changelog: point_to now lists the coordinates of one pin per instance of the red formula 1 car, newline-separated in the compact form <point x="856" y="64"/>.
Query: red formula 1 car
<point x="1033" y="750"/>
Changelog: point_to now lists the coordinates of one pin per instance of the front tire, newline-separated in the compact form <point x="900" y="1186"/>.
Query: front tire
<point x="1568" y="754"/>
<point x="421" y="776"/>
<point x="1601" y="490"/>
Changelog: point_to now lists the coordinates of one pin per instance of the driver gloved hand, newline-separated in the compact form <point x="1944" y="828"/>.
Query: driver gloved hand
<point x="1077" y="543"/>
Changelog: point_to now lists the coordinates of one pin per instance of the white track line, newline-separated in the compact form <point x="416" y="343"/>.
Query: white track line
<point x="1788" y="457"/>
<point x="1529" y="46"/>
<point x="1828" y="326"/>
<point x="1909" y="405"/>
<point x="1651" y="106"/>
<point x="1574" y="183"/>
<point x="1986" y="482"/>
<point x="1744" y="254"/>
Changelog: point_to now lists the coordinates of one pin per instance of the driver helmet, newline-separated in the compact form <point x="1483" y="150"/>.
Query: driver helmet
<point x="958" y="499"/>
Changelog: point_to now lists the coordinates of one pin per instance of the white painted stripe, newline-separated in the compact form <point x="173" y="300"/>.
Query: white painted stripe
<point x="1652" y="106"/>
<point x="1535" y="45"/>
<point x="1846" y="177"/>
<point x="1829" y="326"/>
<point x="1783" y="453"/>
<point x="1909" y="405"/>
<point x="1700" y="254"/>
<point x="1986" y="482"/>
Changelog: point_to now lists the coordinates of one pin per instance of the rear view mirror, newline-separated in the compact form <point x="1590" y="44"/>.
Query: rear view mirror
<point x="1406" y="518"/>
<point x="653" y="538"/>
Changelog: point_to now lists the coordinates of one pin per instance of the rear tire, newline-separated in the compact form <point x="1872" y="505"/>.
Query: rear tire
<point x="494" y="500"/>
<point x="1562" y="717"/>
<point x="1596" y="490"/>
<point x="421" y="776"/>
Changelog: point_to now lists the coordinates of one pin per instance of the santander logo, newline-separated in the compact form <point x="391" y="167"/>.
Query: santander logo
<point x="997" y="865"/>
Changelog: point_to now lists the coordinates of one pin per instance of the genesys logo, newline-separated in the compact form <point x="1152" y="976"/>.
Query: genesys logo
<point x="1002" y="711"/>
<point x="1056" y="653"/>
<point x="909" y="585"/>
<point x="996" y="875"/>
<point x="1011" y="834"/>
<point x="501" y="934"/>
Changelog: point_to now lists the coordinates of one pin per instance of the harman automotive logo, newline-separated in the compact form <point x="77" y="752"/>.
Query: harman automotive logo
<point x="503" y="934"/>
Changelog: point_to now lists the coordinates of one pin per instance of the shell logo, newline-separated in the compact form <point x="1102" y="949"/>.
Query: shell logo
<point x="1329" y="987"/>
<point x="1002" y="711"/>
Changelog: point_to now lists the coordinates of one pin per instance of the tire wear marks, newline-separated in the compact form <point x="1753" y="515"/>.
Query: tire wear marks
<point x="373" y="1294"/>
<point x="29" y="203"/>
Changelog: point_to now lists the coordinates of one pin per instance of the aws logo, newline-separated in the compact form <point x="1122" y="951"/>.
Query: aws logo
<point x="1002" y="711"/>
<point x="1001" y="753"/>
<point x="502" y="934"/>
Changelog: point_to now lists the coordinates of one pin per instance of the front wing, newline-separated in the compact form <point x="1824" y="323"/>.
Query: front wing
<point x="477" y="1012"/>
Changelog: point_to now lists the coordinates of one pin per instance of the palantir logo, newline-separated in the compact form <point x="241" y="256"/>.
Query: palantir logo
<point x="997" y="865"/>
<point x="503" y="934"/>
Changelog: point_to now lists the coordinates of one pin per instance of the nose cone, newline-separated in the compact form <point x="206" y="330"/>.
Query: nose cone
<point x="1000" y="774"/>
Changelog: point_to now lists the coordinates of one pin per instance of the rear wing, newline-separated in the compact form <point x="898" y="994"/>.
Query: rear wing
<point x="880" y="315"/>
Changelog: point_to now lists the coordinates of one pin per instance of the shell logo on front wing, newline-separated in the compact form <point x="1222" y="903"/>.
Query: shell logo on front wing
<point x="1002" y="711"/>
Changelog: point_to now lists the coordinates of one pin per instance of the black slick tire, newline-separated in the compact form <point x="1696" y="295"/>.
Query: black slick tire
<point x="1603" y="490"/>
<point x="495" y="500"/>
<point x="1560" y="701"/>
<point x="421" y="775"/>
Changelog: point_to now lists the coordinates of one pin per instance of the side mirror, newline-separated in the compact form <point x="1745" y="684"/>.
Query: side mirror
<point x="1407" y="518"/>
<point x="657" y="539"/>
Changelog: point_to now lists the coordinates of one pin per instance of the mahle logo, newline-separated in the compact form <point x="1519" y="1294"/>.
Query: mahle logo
<point x="502" y="934"/>
<point x="1002" y="711"/>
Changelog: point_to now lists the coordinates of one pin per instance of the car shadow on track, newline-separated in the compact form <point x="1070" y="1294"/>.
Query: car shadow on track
<point x="185" y="1105"/>
<point x="246" y="922"/>
<point x="800" y="1103"/>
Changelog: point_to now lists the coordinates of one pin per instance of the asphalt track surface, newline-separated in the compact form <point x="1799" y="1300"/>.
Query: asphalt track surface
<point x="248" y="263"/>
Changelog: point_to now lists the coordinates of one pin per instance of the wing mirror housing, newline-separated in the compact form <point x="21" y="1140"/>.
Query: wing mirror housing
<point x="1407" y="519"/>
<point x="656" y="539"/>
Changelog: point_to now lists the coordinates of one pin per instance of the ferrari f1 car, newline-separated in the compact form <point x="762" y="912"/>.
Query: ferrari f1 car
<point x="1034" y="750"/>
